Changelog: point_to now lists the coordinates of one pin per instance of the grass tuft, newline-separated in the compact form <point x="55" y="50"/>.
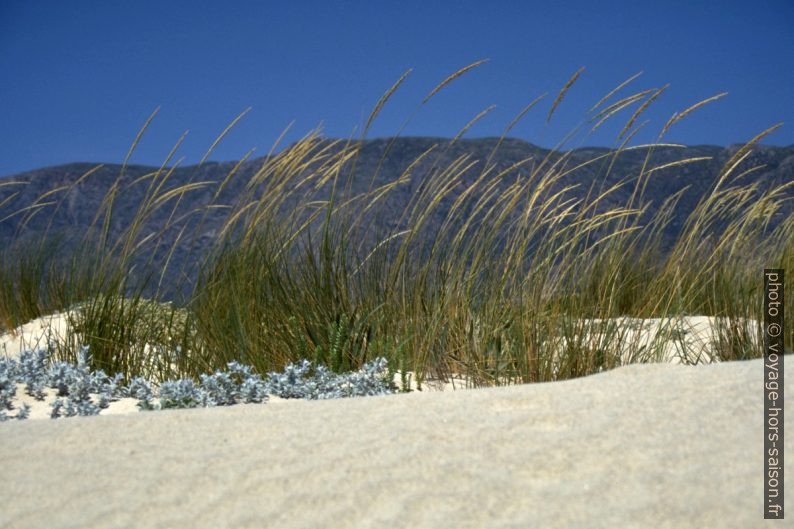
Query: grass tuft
<point x="506" y="288"/>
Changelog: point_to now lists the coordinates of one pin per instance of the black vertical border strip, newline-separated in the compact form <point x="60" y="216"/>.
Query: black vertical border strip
<point x="774" y="333"/>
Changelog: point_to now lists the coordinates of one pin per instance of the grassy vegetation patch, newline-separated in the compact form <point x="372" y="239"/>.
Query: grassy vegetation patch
<point x="519" y="281"/>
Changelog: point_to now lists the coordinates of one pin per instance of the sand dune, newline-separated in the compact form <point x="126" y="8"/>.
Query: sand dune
<point x="35" y="334"/>
<point x="641" y="446"/>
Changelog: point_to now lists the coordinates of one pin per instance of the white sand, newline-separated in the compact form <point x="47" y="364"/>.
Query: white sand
<point x="641" y="446"/>
<point x="34" y="334"/>
<point x="657" y="445"/>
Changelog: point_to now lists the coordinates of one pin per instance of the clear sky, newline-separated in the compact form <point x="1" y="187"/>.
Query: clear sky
<point x="79" y="78"/>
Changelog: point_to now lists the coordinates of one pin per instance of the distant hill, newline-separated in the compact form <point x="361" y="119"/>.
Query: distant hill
<point x="81" y="204"/>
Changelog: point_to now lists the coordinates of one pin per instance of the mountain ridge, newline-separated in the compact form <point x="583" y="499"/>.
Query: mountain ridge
<point x="584" y="148"/>
<point x="79" y="206"/>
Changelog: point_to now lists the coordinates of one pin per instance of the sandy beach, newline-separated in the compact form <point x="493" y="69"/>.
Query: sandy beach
<point x="641" y="446"/>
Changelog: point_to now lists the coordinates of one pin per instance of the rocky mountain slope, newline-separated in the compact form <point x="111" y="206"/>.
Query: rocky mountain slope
<point x="73" y="215"/>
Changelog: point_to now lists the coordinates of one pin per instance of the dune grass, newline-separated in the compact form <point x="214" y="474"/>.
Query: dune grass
<point x="506" y="291"/>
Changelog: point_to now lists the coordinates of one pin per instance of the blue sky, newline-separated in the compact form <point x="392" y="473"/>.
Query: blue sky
<point x="80" y="77"/>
